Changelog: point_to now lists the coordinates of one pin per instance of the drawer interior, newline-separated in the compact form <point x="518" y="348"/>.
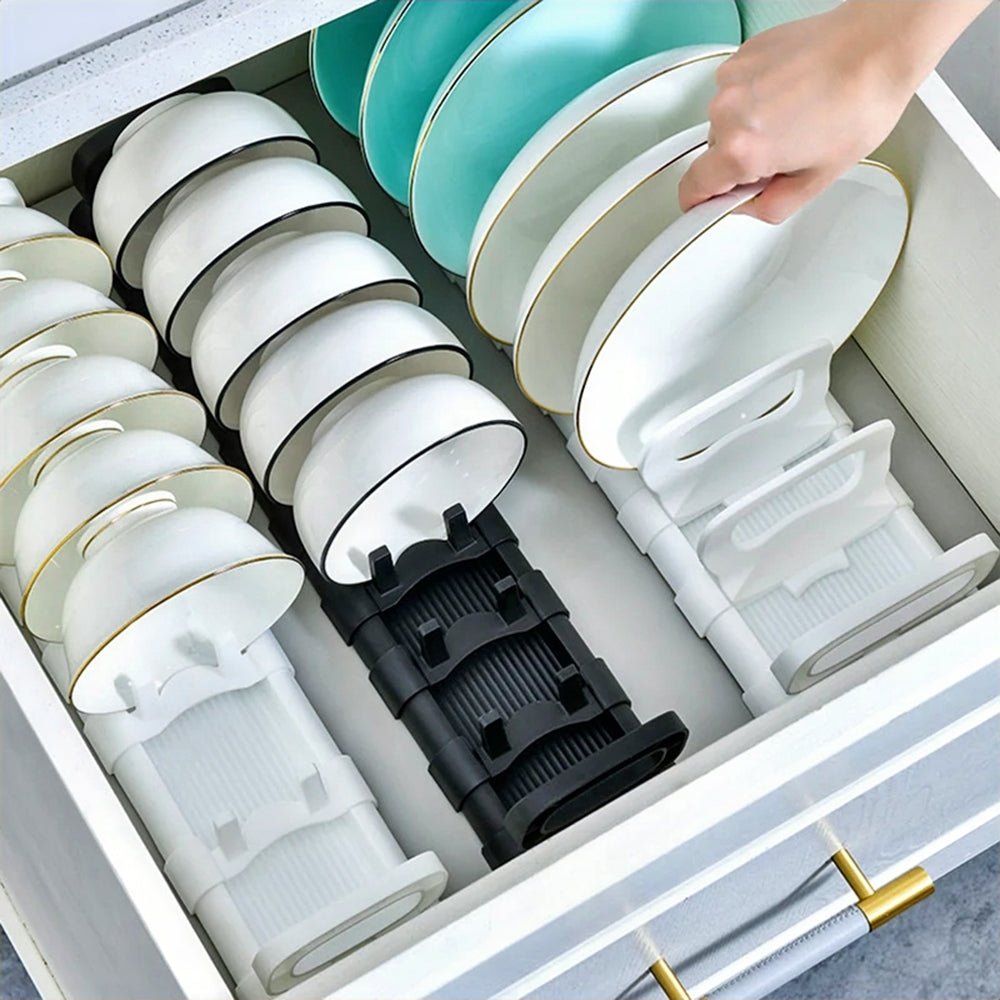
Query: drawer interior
<point x="617" y="600"/>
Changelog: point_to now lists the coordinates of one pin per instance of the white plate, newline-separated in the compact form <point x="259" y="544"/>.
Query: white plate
<point x="327" y="360"/>
<point x="86" y="478"/>
<point x="262" y="297"/>
<point x="720" y="294"/>
<point x="384" y="472"/>
<point x="577" y="149"/>
<point x="584" y="259"/>
<point x="207" y="228"/>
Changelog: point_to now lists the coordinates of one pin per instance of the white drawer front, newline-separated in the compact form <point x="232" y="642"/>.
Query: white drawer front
<point x="735" y="864"/>
<point x="889" y="828"/>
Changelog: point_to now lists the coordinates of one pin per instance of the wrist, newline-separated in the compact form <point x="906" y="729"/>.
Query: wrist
<point x="902" y="41"/>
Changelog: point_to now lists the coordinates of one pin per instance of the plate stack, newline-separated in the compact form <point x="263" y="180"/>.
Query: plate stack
<point x="355" y="410"/>
<point x="687" y="357"/>
<point x="153" y="600"/>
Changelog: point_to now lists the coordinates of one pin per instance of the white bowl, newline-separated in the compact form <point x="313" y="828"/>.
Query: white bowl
<point x="160" y="589"/>
<point x="326" y="361"/>
<point x="586" y="256"/>
<point x="268" y="291"/>
<point x="36" y="246"/>
<point x="48" y="311"/>
<point x="580" y="147"/>
<point x="84" y="479"/>
<point x="58" y="397"/>
<point x="208" y="227"/>
<point x="720" y="294"/>
<point x="183" y="138"/>
<point x="385" y="468"/>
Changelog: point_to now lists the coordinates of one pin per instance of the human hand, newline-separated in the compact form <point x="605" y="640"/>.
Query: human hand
<point x="798" y="105"/>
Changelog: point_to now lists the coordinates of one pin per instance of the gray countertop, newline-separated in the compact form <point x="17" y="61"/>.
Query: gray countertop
<point x="114" y="75"/>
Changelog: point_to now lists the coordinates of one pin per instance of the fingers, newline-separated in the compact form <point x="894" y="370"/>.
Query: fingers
<point x="786" y="194"/>
<point x="717" y="171"/>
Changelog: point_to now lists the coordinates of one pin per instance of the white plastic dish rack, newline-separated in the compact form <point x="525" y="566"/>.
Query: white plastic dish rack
<point x="780" y="530"/>
<point x="269" y="834"/>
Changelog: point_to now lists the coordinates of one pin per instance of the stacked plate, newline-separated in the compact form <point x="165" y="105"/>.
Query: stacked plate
<point x="686" y="357"/>
<point x="137" y="566"/>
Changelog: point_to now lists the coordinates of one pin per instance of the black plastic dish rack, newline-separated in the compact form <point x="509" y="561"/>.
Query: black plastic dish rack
<point x="524" y="729"/>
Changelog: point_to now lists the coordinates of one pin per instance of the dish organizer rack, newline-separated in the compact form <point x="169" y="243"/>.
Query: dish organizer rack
<point x="268" y="833"/>
<point x="524" y="729"/>
<point x="781" y="531"/>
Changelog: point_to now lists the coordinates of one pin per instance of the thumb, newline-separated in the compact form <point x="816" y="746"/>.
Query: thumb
<point x="785" y="194"/>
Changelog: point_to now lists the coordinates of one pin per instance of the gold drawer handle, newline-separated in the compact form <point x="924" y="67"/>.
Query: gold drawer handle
<point x="878" y="906"/>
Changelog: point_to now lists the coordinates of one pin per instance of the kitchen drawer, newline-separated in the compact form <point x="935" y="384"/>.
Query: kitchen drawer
<point x="722" y="864"/>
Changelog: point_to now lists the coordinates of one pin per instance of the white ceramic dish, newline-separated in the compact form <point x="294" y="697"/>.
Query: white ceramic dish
<point x="59" y="397"/>
<point x="36" y="246"/>
<point x="720" y="294"/>
<point x="160" y="589"/>
<point x="384" y="470"/>
<point x="48" y="311"/>
<point x="206" y="228"/>
<point x="87" y="477"/>
<point x="327" y="360"/>
<point x="581" y="146"/>
<point x="272" y="288"/>
<point x="586" y="256"/>
<point x="171" y="144"/>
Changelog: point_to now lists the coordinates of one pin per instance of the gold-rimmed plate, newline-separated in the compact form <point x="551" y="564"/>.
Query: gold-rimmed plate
<point x="720" y="294"/>
<point x="521" y="70"/>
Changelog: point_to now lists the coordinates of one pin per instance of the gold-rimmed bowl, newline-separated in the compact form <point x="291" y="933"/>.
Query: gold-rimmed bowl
<point x="84" y="477"/>
<point x="48" y="311"/>
<point x="162" y="589"/>
<point x="37" y="246"/>
<point x="53" y="395"/>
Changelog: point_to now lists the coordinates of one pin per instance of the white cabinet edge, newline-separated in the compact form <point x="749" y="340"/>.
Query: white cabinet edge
<point x="95" y="85"/>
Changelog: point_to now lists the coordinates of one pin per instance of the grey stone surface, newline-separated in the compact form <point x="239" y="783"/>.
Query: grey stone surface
<point x="947" y="948"/>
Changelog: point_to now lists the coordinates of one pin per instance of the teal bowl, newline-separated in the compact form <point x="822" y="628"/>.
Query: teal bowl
<point x="339" y="54"/>
<point x="417" y="49"/>
<point x="522" y="69"/>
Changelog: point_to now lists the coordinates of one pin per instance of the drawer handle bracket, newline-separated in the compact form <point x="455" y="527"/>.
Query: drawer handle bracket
<point x="667" y="980"/>
<point x="879" y="906"/>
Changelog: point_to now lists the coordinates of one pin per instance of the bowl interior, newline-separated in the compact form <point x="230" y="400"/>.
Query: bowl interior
<point x="234" y="603"/>
<point x="470" y="468"/>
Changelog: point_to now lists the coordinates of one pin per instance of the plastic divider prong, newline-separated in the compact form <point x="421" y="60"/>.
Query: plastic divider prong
<point x="510" y="602"/>
<point x="457" y="528"/>
<point x="432" y="642"/>
<point x="749" y="562"/>
<point x="383" y="570"/>
<point x="742" y="436"/>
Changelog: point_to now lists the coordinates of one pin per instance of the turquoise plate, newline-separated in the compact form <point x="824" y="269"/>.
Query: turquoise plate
<point x="339" y="53"/>
<point x="521" y="70"/>
<point x="418" y="47"/>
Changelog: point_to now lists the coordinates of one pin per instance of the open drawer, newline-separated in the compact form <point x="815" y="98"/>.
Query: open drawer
<point x="723" y="864"/>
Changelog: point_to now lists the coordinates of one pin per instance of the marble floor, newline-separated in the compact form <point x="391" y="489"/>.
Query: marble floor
<point x="947" y="948"/>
